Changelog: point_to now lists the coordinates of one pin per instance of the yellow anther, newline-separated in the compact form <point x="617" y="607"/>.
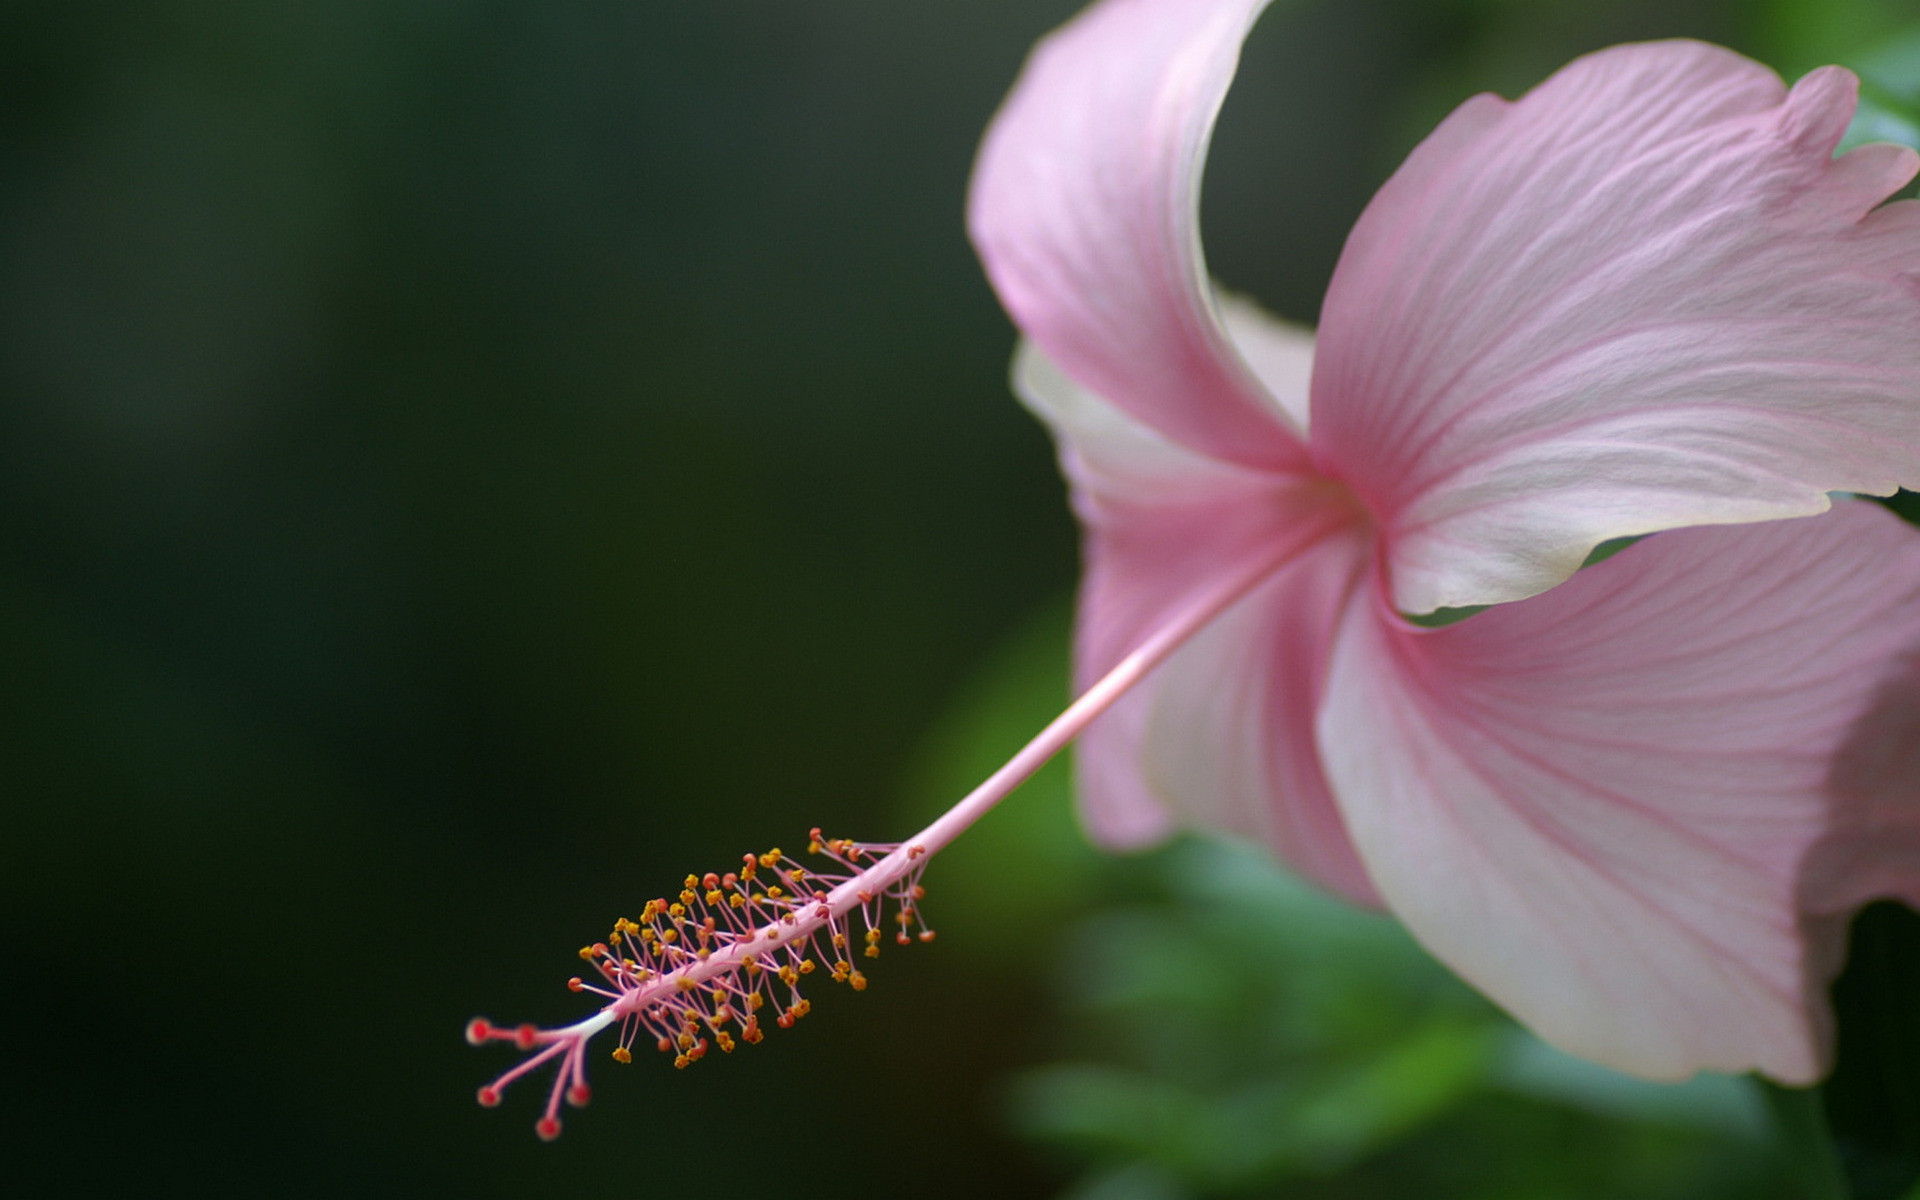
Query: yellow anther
<point x="873" y="952"/>
<point x="726" y="1042"/>
<point x="903" y="917"/>
<point x="858" y="980"/>
<point x="676" y="911"/>
<point x="840" y="940"/>
<point x="688" y="897"/>
<point x="737" y="900"/>
<point x="684" y="1041"/>
<point x="873" y="935"/>
<point x="670" y="936"/>
<point x="686" y="985"/>
<point x="806" y="966"/>
<point x="789" y="976"/>
<point x="801" y="1008"/>
<point x="692" y="881"/>
<point x="755" y="1001"/>
<point x="715" y="897"/>
<point x="682" y="1062"/>
<point x="796" y="874"/>
<point x="622" y="1055"/>
<point x="648" y="935"/>
<point x="775" y="893"/>
<point x="752" y="1032"/>
<point x="586" y="953"/>
<point x="770" y="858"/>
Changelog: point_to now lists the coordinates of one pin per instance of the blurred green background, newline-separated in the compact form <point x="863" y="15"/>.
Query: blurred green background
<point x="465" y="465"/>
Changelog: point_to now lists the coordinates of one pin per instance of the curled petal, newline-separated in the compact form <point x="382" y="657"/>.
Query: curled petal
<point x="1221" y="734"/>
<point x="1085" y="211"/>
<point x="1873" y="849"/>
<point x="1605" y="806"/>
<point x="1643" y="296"/>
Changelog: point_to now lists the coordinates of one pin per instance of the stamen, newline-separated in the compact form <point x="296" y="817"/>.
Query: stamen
<point x="722" y="949"/>
<point x="656" y="986"/>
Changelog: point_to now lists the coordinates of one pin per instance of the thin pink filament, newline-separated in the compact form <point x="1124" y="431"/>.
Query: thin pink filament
<point x="808" y="919"/>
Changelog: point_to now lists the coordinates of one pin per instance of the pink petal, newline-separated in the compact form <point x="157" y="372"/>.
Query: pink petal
<point x="1084" y="209"/>
<point x="1873" y="851"/>
<point x="1604" y="806"/>
<point x="1643" y="296"/>
<point x="1221" y="734"/>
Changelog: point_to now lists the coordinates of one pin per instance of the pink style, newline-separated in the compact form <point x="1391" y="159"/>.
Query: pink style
<point x="1634" y="806"/>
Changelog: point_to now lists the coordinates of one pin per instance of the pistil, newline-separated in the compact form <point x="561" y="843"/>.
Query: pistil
<point x="696" y="968"/>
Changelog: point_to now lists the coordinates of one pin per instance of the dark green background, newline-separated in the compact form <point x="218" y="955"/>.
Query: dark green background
<point x="464" y="465"/>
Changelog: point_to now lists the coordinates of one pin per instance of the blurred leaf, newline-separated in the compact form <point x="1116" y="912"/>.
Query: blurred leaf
<point x="1413" y="1081"/>
<point x="1141" y="1181"/>
<point x="1803" y="34"/>
<point x="1880" y="121"/>
<point x="1028" y="856"/>
<point x="1889" y="109"/>
<point x="1263" y="1128"/>
<point x="1718" y="1103"/>
<point x="1804" y="1137"/>
<point x="1893" y="66"/>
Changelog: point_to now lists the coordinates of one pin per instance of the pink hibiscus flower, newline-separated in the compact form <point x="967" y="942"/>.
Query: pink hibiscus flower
<point x="1635" y="805"/>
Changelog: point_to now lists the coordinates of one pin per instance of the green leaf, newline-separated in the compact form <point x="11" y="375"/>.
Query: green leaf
<point x="1440" y="618"/>
<point x="1877" y="121"/>
<point x="1889" y="92"/>
<point x="1029" y="855"/>
<point x="1725" y="1104"/>
<point x="1804" y="1138"/>
<point x="1893" y="67"/>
